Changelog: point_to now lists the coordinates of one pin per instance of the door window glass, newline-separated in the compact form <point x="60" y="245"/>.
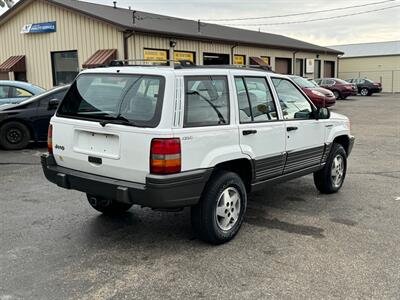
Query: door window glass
<point x="22" y="93"/>
<point x="255" y="100"/>
<point x="4" y="92"/>
<point x="206" y="101"/>
<point x="293" y="103"/>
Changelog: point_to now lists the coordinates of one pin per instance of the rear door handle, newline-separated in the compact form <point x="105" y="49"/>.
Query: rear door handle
<point x="291" y="128"/>
<point x="247" y="132"/>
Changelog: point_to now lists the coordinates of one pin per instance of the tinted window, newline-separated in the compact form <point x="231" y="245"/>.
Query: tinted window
<point x="255" y="100"/>
<point x="137" y="98"/>
<point x="340" y="81"/>
<point x="4" y="91"/>
<point x="293" y="103"/>
<point x="206" y="101"/>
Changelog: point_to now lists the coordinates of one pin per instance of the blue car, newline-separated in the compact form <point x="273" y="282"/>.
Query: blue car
<point x="17" y="91"/>
<point x="28" y="120"/>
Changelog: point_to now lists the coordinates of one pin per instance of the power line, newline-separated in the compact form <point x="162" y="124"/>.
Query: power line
<point x="299" y="14"/>
<point x="313" y="20"/>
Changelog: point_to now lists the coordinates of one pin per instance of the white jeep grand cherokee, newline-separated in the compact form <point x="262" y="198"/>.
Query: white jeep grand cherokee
<point x="203" y="137"/>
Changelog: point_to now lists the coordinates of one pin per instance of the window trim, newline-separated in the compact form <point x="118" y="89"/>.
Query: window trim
<point x="248" y="100"/>
<point x="53" y="73"/>
<point x="185" y="110"/>
<point x="153" y="123"/>
<point x="313" y="107"/>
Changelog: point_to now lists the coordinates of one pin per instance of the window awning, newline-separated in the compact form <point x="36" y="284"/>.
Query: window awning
<point x="14" y="64"/>
<point x="258" y="61"/>
<point x="100" y="58"/>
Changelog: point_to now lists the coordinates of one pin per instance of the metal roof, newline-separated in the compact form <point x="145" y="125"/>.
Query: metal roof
<point x="100" y="58"/>
<point x="13" y="64"/>
<point x="181" y="28"/>
<point x="369" y="49"/>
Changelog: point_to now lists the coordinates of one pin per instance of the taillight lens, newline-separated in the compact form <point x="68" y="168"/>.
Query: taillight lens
<point x="50" y="139"/>
<point x="165" y="156"/>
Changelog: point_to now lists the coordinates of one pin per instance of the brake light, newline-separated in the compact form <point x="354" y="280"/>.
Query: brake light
<point x="50" y="139"/>
<point x="165" y="156"/>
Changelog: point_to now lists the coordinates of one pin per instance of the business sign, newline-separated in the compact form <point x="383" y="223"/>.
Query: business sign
<point x="181" y="55"/>
<point x="40" y="27"/>
<point x="266" y="59"/>
<point x="156" y="56"/>
<point x="309" y="65"/>
<point x="239" y="59"/>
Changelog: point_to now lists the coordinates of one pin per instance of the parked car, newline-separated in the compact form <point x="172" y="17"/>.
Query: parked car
<point x="366" y="87"/>
<point x="17" y="91"/>
<point x="340" y="88"/>
<point x="28" y="120"/>
<point x="169" y="138"/>
<point x="319" y="96"/>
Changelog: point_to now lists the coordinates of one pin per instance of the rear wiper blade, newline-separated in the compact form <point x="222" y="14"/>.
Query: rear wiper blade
<point x="118" y="120"/>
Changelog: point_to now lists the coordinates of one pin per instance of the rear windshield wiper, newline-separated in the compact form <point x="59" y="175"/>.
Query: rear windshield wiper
<point x="214" y="107"/>
<point x="118" y="120"/>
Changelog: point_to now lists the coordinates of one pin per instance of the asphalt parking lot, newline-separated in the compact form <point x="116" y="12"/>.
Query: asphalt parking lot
<point x="295" y="243"/>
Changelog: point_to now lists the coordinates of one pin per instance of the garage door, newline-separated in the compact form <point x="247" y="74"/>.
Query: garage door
<point x="283" y="65"/>
<point x="329" y="69"/>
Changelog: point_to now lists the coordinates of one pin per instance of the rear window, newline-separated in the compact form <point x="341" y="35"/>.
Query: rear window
<point x="137" y="98"/>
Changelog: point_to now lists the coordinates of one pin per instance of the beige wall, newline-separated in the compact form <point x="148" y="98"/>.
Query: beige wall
<point x="384" y="69"/>
<point x="74" y="32"/>
<point x="138" y="42"/>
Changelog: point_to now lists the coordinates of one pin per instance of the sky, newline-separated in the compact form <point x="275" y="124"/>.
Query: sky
<point x="376" y="26"/>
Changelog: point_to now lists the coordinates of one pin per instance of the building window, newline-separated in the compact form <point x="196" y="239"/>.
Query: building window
<point x="266" y="59"/>
<point x="65" y="66"/>
<point x="215" y="59"/>
<point x="156" y="56"/>
<point x="185" y="55"/>
<point x="239" y="59"/>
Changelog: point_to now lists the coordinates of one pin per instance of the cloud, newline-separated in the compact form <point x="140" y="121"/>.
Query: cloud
<point x="372" y="27"/>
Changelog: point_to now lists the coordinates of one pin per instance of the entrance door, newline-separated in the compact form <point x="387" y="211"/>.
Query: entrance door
<point x="215" y="59"/>
<point x="305" y="136"/>
<point x="299" y="67"/>
<point x="261" y="137"/>
<point x="283" y="65"/>
<point x="329" y="69"/>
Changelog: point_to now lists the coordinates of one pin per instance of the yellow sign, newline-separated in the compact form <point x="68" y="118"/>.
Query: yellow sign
<point x="239" y="60"/>
<point x="180" y="55"/>
<point x="156" y="56"/>
<point x="265" y="59"/>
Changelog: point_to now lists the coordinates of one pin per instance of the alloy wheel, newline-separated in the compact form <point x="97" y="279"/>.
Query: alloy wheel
<point x="228" y="208"/>
<point x="337" y="170"/>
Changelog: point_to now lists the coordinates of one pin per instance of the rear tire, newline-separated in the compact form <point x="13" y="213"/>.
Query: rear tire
<point x="107" y="206"/>
<point x="219" y="214"/>
<point x="14" y="136"/>
<point x="330" y="179"/>
<point x="365" y="92"/>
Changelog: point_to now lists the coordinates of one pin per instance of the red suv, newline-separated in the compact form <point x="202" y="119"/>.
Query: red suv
<point x="340" y="88"/>
<point x="319" y="96"/>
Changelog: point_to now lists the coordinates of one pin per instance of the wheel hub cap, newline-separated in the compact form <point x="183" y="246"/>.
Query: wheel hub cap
<point x="228" y="208"/>
<point x="337" y="170"/>
<point x="14" y="136"/>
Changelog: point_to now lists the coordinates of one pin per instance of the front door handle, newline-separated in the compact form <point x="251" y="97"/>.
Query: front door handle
<point x="291" y="128"/>
<point x="247" y="132"/>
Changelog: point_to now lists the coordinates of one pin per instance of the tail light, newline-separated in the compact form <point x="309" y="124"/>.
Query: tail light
<point x="50" y="139"/>
<point x="165" y="156"/>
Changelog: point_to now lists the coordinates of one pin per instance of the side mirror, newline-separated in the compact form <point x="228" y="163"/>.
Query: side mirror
<point x="322" y="113"/>
<point x="53" y="104"/>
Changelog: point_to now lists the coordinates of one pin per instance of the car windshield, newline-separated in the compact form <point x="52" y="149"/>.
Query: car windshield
<point x="368" y="80"/>
<point x="302" y="82"/>
<point x="135" y="98"/>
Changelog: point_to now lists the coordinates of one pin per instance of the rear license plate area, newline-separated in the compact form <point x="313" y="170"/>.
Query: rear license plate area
<point x="96" y="144"/>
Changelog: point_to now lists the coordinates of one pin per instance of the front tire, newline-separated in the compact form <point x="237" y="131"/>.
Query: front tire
<point x="107" y="206"/>
<point x="337" y="95"/>
<point x="330" y="179"/>
<point x="14" y="136"/>
<point x="219" y="214"/>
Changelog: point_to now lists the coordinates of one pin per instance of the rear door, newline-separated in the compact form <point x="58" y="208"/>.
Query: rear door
<point x="261" y="133"/>
<point x="305" y="136"/>
<point x="84" y="141"/>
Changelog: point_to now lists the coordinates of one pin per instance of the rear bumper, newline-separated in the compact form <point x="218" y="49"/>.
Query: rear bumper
<point x="159" y="191"/>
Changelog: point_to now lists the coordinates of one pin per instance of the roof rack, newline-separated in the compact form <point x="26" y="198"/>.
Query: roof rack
<point x="182" y="64"/>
